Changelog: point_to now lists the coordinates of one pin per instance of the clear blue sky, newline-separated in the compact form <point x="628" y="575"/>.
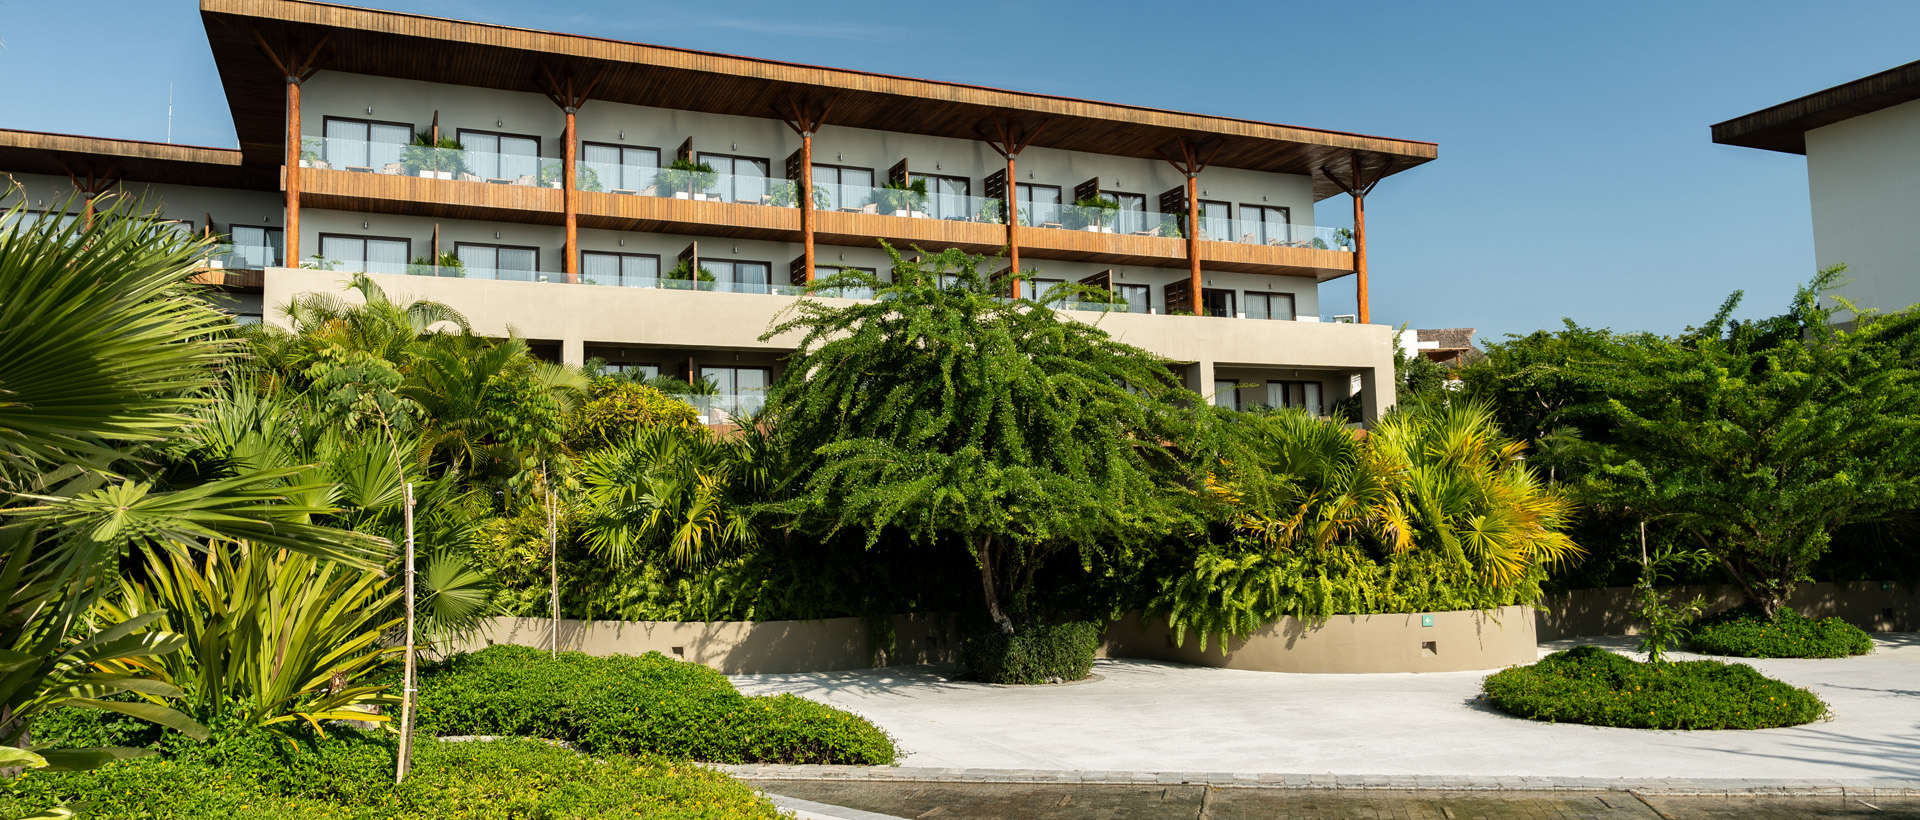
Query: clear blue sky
<point x="1576" y="177"/>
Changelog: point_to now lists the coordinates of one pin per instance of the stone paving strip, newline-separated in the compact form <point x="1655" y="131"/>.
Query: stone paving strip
<point x="763" y="774"/>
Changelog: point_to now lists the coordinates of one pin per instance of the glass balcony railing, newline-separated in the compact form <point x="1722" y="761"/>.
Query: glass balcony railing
<point x="245" y="257"/>
<point x="725" y="408"/>
<point x="426" y="162"/>
<point x="909" y="204"/>
<point x="1274" y="234"/>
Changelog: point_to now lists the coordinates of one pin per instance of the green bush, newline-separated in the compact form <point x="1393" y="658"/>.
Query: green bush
<point x="1587" y="684"/>
<point x="1041" y="654"/>
<point x="1746" y="634"/>
<point x="615" y="407"/>
<point x="632" y="704"/>
<point x="350" y="775"/>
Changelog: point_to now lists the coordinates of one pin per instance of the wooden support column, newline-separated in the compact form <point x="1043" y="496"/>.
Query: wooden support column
<point x="1008" y="139"/>
<point x="296" y="65"/>
<point x="90" y="184"/>
<point x="564" y="94"/>
<point x="801" y="117"/>
<point x="1358" y="188"/>
<point x="1186" y="158"/>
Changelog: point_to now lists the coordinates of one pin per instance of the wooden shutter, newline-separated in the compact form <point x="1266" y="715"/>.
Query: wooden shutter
<point x="897" y="175"/>
<point x="1174" y="201"/>
<point x="996" y="185"/>
<point x="691" y="256"/>
<point x="1178" y="297"/>
<point x="1087" y="190"/>
<point x="685" y="151"/>
<point x="1102" y="280"/>
<point x="797" y="270"/>
<point x="1002" y="281"/>
<point x="793" y="167"/>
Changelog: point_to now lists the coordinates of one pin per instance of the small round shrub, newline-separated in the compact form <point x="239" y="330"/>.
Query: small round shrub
<point x="632" y="704"/>
<point x="614" y="407"/>
<point x="1590" y="685"/>
<point x="1744" y="633"/>
<point x="1041" y="654"/>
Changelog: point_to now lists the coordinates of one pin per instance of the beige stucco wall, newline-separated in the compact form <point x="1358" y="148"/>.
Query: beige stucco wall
<point x="1456" y="642"/>
<point x="1863" y="177"/>
<point x="1876" y="606"/>
<point x="579" y="315"/>
<point x="738" y="647"/>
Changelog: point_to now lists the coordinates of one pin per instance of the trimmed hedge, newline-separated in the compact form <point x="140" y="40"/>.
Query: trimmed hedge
<point x="350" y="776"/>
<point x="1590" y="685"/>
<point x="1041" y="654"/>
<point x="1744" y="633"/>
<point x="633" y="704"/>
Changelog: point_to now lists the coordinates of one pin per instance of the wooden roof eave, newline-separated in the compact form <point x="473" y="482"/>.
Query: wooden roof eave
<point x="440" y="50"/>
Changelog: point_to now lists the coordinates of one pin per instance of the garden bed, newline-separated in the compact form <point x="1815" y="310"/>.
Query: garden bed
<point x="1745" y="634"/>
<point x="1590" y="685"/>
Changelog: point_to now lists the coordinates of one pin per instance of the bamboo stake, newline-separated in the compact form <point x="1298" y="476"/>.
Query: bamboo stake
<point x="407" y="684"/>
<point x="553" y="563"/>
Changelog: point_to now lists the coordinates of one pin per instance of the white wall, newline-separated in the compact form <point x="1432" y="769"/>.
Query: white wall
<point x="185" y="202"/>
<point x="1864" y="178"/>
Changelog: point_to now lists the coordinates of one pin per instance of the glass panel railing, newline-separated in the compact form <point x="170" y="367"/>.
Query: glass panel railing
<point x="1274" y="234"/>
<point x="913" y="205"/>
<point x="244" y="257"/>
<point x="427" y="162"/>
<point x="620" y="280"/>
<point x="725" y="408"/>
<point x="510" y="275"/>
<point x="356" y="266"/>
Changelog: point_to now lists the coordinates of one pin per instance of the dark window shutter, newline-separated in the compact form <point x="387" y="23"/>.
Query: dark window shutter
<point x="1178" y="297"/>
<point x="1087" y="190"/>
<point x="1174" y="201"/>
<point x="797" y="270"/>
<point x="691" y="256"/>
<point x="686" y="150"/>
<point x="897" y="175"/>
<point x="793" y="167"/>
<point x="1102" y="280"/>
<point x="996" y="185"/>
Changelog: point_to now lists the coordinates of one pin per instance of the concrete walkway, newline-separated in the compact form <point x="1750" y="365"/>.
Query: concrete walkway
<point x="1145" y="716"/>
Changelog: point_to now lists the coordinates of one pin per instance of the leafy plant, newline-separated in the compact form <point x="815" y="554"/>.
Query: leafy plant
<point x="1342" y="237"/>
<point x="1587" y="684"/>
<point x="446" y="156"/>
<point x="685" y="176"/>
<point x="1040" y="654"/>
<point x="615" y="408"/>
<point x="448" y="264"/>
<point x="1748" y="634"/>
<point x="784" y="194"/>
<point x="901" y="196"/>
<point x="1088" y="211"/>
<point x="664" y="490"/>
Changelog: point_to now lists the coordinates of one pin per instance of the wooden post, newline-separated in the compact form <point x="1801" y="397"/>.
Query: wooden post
<point x="806" y="202"/>
<point x="436" y="249"/>
<point x="407" y="687"/>
<point x="1360" y="242"/>
<point x="293" y="178"/>
<point x="1193" y="240"/>
<point x="571" y="200"/>
<point x="1013" y="223"/>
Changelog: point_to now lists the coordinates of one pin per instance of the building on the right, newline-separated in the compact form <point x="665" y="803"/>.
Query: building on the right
<point x="1862" y="144"/>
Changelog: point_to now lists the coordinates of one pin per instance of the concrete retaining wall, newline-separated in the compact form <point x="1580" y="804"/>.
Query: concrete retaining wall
<point x="1453" y="642"/>
<point x="739" y="647"/>
<point x="1876" y="606"/>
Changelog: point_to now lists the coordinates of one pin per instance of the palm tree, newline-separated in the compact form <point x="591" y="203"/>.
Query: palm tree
<point x="668" y="491"/>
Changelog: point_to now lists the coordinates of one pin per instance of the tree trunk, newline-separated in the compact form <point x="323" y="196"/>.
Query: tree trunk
<point x="986" y="585"/>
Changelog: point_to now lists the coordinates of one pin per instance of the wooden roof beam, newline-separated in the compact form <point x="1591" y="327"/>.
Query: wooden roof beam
<point x="800" y="116"/>
<point x="564" y="93"/>
<point x="1008" y="138"/>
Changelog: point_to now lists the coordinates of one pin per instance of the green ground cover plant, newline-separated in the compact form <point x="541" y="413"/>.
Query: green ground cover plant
<point x="1744" y="633"/>
<point x="1590" y="685"/>
<point x="350" y="775"/>
<point x="630" y="704"/>
<point x="1040" y="654"/>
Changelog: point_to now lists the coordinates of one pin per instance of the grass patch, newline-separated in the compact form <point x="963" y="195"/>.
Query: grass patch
<point x="627" y="704"/>
<point x="350" y="776"/>
<point x="1590" y="685"/>
<point x="1041" y="654"/>
<point x="1744" y="633"/>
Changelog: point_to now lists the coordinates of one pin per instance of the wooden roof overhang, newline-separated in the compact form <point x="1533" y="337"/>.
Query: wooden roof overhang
<point x="432" y="49"/>
<point x="1784" y="127"/>
<point x="60" y="155"/>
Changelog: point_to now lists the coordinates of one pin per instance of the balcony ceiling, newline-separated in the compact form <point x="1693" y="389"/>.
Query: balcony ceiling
<point x="34" y="152"/>
<point x="433" y="49"/>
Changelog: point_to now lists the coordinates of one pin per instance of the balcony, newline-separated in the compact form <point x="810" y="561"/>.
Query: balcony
<point x="355" y="175"/>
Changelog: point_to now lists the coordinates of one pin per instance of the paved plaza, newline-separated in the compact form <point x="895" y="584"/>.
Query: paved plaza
<point x="1141" y="716"/>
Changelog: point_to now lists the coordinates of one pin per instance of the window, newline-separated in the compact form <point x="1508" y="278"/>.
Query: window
<point x="1138" y="298"/>
<point x="848" y="189"/>
<point x="854" y="292"/>
<point x="1039" y="288"/>
<point x="1038" y="204"/>
<point x="1301" y="395"/>
<point x="742" y="179"/>
<point x="1216" y="302"/>
<point x="1270" y="306"/>
<point x="255" y="247"/>
<point x="947" y="197"/>
<point x="637" y="371"/>
<point x="742" y="390"/>
<point x="621" y="169"/>
<point x="1132" y="216"/>
<point x="366" y="254"/>
<point x="508" y="262"/>
<point x="739" y="277"/>
<point x="501" y="157"/>
<point x="1264" y="225"/>
<point x="364" y="145"/>
<point x="632" y="270"/>
<point x="1216" y="221"/>
<point x="39" y="219"/>
<point x="1226" y="394"/>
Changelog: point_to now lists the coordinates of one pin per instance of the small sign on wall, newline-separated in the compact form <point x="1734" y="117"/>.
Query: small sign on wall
<point x="1426" y="620"/>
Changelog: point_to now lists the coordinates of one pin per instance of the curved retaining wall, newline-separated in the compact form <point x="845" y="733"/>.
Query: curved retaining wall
<point x="1347" y="643"/>
<point x="1454" y="642"/>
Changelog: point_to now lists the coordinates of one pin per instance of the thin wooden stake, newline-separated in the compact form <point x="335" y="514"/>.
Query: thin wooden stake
<point x="407" y="682"/>
<point x="553" y="563"/>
